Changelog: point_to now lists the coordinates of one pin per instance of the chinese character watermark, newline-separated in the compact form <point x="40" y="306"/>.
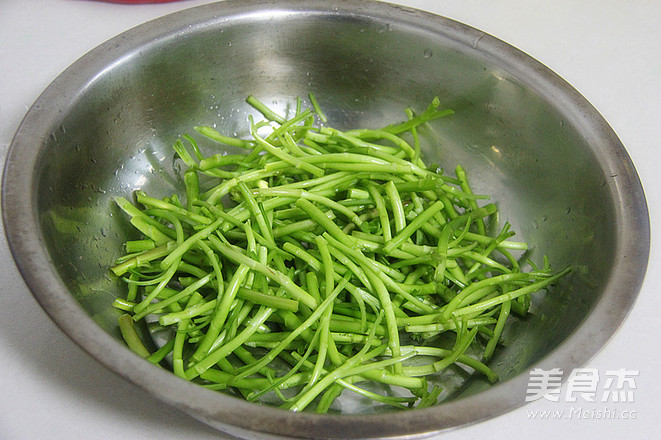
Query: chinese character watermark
<point x="544" y="384"/>
<point x="585" y="384"/>
<point x="620" y="385"/>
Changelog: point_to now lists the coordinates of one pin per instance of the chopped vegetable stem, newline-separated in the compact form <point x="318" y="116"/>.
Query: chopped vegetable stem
<point x="319" y="259"/>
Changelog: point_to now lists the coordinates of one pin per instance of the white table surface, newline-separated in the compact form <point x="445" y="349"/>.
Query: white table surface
<point x="607" y="49"/>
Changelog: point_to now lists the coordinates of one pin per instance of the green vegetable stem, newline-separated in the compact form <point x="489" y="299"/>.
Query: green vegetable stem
<point x="317" y="261"/>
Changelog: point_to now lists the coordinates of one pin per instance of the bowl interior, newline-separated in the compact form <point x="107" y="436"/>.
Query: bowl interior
<point x="531" y="148"/>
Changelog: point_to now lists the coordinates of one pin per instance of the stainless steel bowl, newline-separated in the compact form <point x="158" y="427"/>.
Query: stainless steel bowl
<point x="105" y="127"/>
